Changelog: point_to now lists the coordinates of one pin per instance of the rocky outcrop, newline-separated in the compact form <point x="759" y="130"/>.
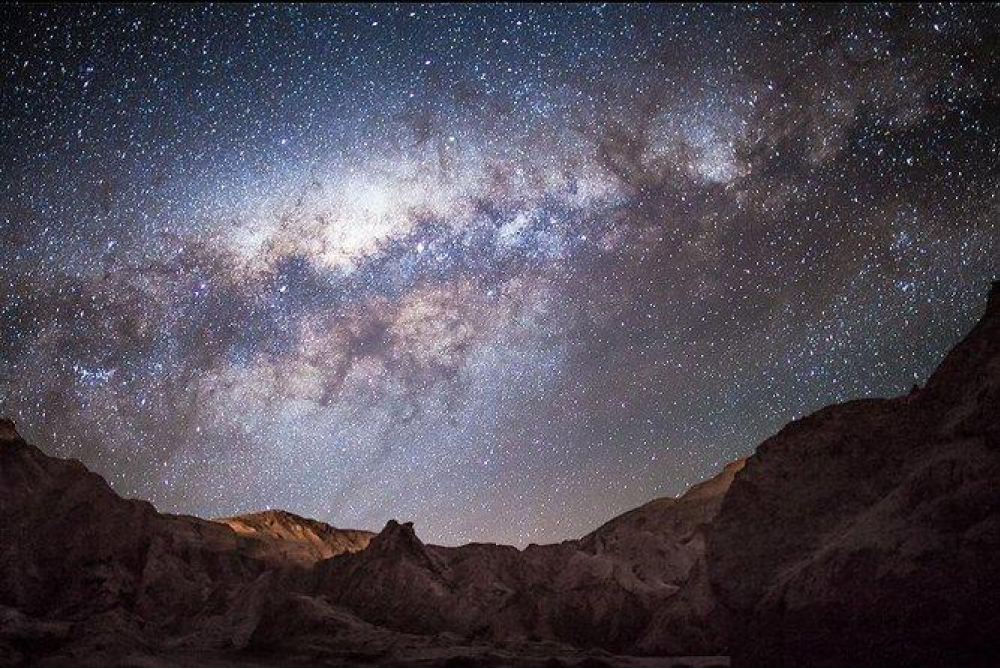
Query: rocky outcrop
<point x="296" y="540"/>
<point x="70" y="547"/>
<point x="72" y="552"/>
<point x="869" y="532"/>
<point x="638" y="582"/>
<point x="75" y="556"/>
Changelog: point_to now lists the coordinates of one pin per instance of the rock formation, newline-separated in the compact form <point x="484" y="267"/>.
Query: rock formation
<point x="295" y="539"/>
<point x="75" y="556"/>
<point x="865" y="533"/>
<point x="869" y="532"/>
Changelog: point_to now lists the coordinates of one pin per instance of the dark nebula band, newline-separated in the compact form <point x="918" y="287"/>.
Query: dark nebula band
<point x="510" y="270"/>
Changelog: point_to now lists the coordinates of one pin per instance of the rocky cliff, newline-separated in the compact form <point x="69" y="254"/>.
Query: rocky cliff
<point x="869" y="532"/>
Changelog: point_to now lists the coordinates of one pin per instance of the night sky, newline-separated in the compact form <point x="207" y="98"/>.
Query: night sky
<point x="504" y="271"/>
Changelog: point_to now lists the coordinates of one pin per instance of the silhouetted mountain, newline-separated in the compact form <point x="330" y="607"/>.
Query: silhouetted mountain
<point x="869" y="532"/>
<point x="866" y="532"/>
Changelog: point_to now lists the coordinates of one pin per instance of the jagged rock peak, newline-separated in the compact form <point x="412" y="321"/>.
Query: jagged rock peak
<point x="395" y="531"/>
<point x="399" y="539"/>
<point x="7" y="430"/>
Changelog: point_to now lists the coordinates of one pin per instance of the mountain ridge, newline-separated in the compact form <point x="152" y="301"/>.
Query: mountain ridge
<point x="299" y="539"/>
<point x="864" y="532"/>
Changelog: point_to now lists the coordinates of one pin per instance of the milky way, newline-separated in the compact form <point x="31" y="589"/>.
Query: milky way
<point x="505" y="271"/>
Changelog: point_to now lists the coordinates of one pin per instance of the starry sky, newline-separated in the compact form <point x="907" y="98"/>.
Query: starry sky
<point x="505" y="271"/>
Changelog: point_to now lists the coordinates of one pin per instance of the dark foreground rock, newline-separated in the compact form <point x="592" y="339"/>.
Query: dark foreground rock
<point x="869" y="532"/>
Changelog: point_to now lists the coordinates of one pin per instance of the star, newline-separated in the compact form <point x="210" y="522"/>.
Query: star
<point x="504" y="270"/>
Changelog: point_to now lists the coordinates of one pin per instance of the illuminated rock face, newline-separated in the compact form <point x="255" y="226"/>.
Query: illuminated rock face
<point x="866" y="532"/>
<point x="295" y="539"/>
